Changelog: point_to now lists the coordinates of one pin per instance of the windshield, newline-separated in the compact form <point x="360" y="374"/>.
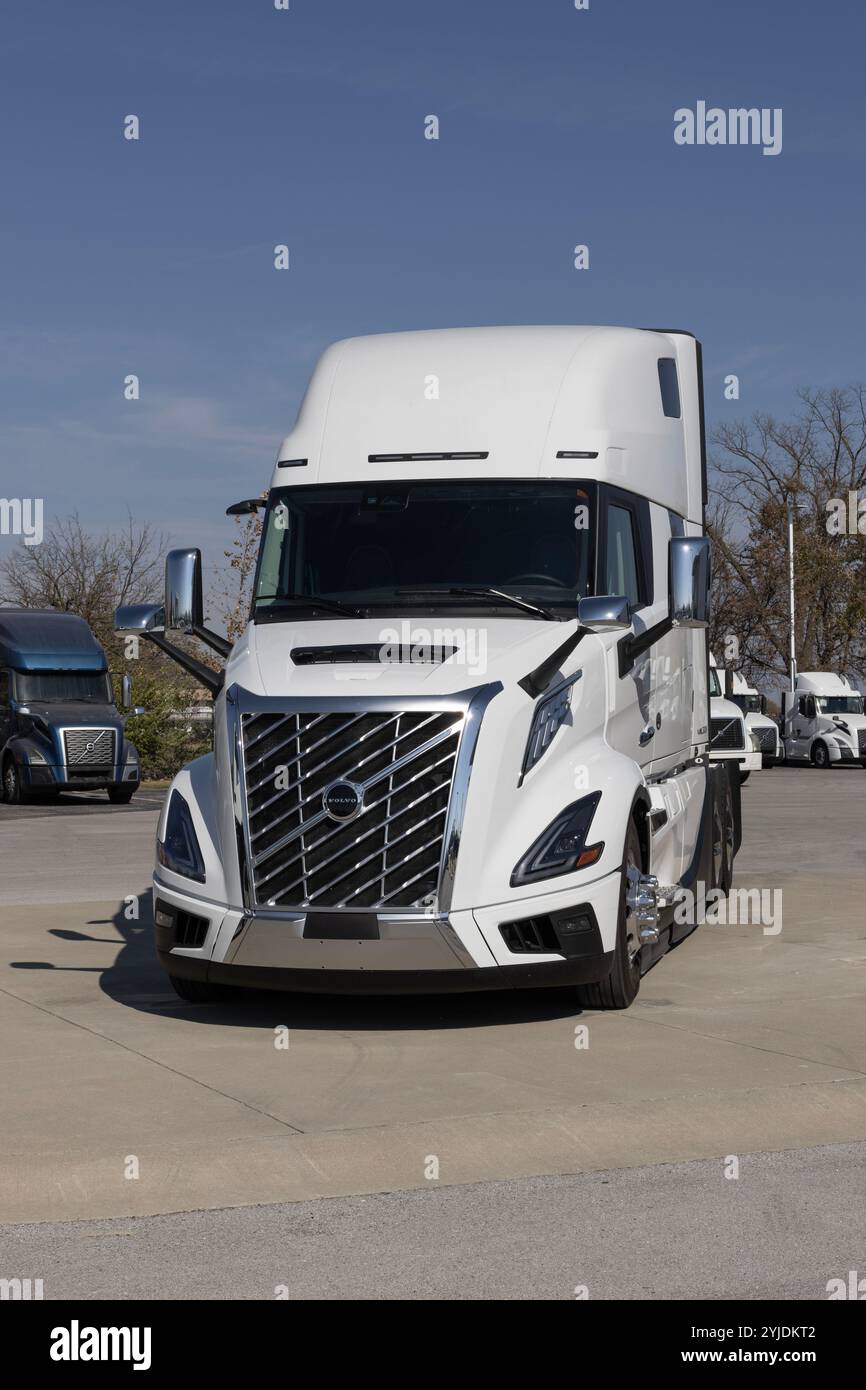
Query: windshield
<point x="715" y="688"/>
<point x="365" y="545"/>
<point x="749" y="704"/>
<point x="840" y="704"/>
<point x="63" y="687"/>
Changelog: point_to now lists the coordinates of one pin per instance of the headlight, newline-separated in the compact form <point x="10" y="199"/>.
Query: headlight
<point x="756" y="741"/>
<point x="550" y="714"/>
<point x="179" y="851"/>
<point x="561" y="849"/>
<point x="34" y="756"/>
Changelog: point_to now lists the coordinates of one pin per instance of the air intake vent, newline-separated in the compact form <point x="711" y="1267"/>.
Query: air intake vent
<point x="189" y="930"/>
<point x="427" y="458"/>
<point x="372" y="653"/>
<point x="530" y="934"/>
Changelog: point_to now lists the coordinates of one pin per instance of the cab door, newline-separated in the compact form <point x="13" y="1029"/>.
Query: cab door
<point x="802" y="727"/>
<point x="625" y="568"/>
<point x="672" y="675"/>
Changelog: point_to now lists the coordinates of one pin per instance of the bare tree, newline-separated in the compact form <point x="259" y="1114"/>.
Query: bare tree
<point x="235" y="595"/>
<point x="76" y="571"/>
<point x="818" y="456"/>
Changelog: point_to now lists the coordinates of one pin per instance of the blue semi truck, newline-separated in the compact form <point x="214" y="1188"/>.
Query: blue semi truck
<point x="60" y="729"/>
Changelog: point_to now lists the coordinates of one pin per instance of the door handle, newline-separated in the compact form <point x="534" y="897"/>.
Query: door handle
<point x="648" y="733"/>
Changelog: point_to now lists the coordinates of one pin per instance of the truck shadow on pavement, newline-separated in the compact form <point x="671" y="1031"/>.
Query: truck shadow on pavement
<point x="136" y="980"/>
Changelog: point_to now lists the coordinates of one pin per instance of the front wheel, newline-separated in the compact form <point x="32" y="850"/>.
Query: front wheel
<point x="620" y="987"/>
<point x="821" y="756"/>
<point x="13" y="792"/>
<point x="120" y="796"/>
<point x="723" y="834"/>
<point x="744" y="776"/>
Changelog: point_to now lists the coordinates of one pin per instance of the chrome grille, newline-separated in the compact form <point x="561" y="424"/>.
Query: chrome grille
<point x="388" y="855"/>
<point x="89" y="748"/>
<point x="726" y="733"/>
<point x="767" y="739"/>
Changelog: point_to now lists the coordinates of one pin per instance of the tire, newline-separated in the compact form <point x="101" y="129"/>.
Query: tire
<point x="820" y="756"/>
<point x="723" y="834"/>
<point x="199" y="991"/>
<point x="120" y="796"/>
<point x="13" y="792"/>
<point x="744" y="776"/>
<point x="726" y="877"/>
<point x="620" y="987"/>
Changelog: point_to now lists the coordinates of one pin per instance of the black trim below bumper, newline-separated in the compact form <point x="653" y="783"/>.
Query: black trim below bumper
<point x="531" y="976"/>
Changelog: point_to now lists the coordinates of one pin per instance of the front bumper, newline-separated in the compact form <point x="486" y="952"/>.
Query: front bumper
<point x="45" y="776"/>
<point x="374" y="953"/>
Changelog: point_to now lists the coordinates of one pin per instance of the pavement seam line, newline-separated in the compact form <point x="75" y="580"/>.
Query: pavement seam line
<point x="134" y="1052"/>
<point x="756" y="1047"/>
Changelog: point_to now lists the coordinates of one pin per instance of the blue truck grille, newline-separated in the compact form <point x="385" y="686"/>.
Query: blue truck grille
<point x="89" y="750"/>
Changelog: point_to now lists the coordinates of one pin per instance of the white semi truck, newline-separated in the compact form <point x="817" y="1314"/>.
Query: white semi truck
<point x="763" y="730"/>
<point x="463" y="740"/>
<point x="731" y="740"/>
<point x="823" y="720"/>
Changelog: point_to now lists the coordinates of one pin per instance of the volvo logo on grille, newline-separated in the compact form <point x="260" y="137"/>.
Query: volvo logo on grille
<point x="342" y="800"/>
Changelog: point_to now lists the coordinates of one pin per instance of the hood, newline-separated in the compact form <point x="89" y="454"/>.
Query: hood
<point x="75" y="712"/>
<point x="720" y="708"/>
<point x="502" y="649"/>
<point x="854" y="721"/>
<point x="760" y="721"/>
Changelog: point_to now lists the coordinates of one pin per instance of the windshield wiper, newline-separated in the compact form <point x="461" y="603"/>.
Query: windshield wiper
<point x="496" y="594"/>
<point x="312" y="601"/>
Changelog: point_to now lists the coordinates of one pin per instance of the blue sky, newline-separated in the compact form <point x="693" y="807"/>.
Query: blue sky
<point x="306" y="127"/>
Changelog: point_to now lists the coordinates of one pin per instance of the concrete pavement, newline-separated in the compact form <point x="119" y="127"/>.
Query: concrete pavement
<point x="740" y="1042"/>
<point x="782" y="1229"/>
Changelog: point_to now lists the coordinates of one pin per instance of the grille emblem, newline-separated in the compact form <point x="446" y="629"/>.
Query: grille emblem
<point x="343" y="800"/>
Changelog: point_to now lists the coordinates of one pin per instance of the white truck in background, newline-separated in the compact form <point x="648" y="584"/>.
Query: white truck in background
<point x="731" y="740"/>
<point x="758" y="723"/>
<point x="463" y="740"/>
<point x="823" y="721"/>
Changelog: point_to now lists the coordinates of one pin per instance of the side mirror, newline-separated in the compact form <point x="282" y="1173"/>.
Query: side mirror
<point x="729" y="683"/>
<point x="763" y="704"/>
<point x="811" y="707"/>
<point x="604" y="613"/>
<point x="689" y="581"/>
<point x="140" y="617"/>
<point x="183" y="602"/>
<point x="126" y="692"/>
<point x="247" y="506"/>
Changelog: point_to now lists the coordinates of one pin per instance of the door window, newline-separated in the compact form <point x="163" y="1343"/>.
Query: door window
<point x="622" y="566"/>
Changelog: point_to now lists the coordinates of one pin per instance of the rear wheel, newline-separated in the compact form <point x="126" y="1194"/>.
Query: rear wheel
<point x="620" y="987"/>
<point x="199" y="991"/>
<point x="821" y="755"/>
